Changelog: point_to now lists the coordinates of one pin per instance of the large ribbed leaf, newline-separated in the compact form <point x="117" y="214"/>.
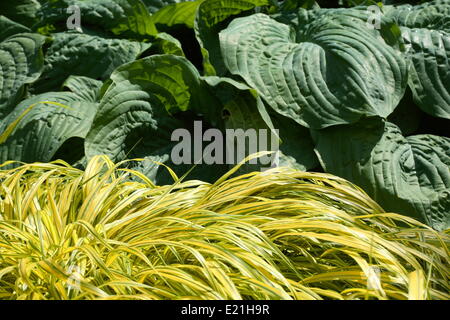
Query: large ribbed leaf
<point x="429" y="77"/>
<point x="430" y="15"/>
<point x="21" y="11"/>
<point x="155" y="5"/>
<point x="44" y="127"/>
<point x="242" y="108"/>
<point x="426" y="32"/>
<point x="432" y="160"/>
<point x="121" y="17"/>
<point x="21" y="62"/>
<point x="87" y="89"/>
<point x="137" y="99"/>
<point x="9" y="28"/>
<point x="178" y="13"/>
<point x="406" y="175"/>
<point x="80" y="54"/>
<point x="297" y="147"/>
<point x="331" y="71"/>
<point x="133" y="118"/>
<point x="213" y="16"/>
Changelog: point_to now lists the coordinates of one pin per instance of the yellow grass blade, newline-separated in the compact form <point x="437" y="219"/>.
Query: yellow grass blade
<point x="282" y="234"/>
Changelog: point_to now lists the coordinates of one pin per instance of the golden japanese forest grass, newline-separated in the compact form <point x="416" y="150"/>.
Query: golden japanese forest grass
<point x="281" y="234"/>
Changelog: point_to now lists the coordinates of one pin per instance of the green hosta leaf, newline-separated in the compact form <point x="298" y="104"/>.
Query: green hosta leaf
<point x="430" y="15"/>
<point x="426" y="33"/>
<point x="9" y="28"/>
<point x="127" y="18"/>
<point x="155" y="5"/>
<point x="289" y="5"/>
<point x="297" y="147"/>
<point x="21" y="62"/>
<point x="432" y="160"/>
<point x="21" y="11"/>
<point x="178" y="13"/>
<point x="85" y="55"/>
<point x="332" y="71"/>
<point x="133" y="118"/>
<point x="242" y="109"/>
<point x="405" y="175"/>
<point x="213" y="16"/>
<point x="385" y="27"/>
<point x="164" y="43"/>
<point x="237" y="101"/>
<point x="85" y="88"/>
<point x="429" y="77"/>
<point x="407" y="116"/>
<point x="44" y="127"/>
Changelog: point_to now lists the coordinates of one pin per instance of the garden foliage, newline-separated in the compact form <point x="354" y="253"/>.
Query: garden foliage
<point x="367" y="101"/>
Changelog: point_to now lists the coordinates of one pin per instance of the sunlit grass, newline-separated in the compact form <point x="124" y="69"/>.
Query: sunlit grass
<point x="281" y="234"/>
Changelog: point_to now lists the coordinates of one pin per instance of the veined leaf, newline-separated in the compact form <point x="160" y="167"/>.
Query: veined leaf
<point x="426" y="33"/>
<point x="154" y="5"/>
<point x="429" y="78"/>
<point x="21" y="62"/>
<point x="164" y="43"/>
<point x="85" y="88"/>
<point x="127" y="18"/>
<point x="213" y="16"/>
<point x="297" y="146"/>
<point x="406" y="175"/>
<point x="9" y="28"/>
<point x="178" y="13"/>
<point x="133" y="120"/>
<point x="45" y="127"/>
<point x="242" y="109"/>
<point x="330" y="71"/>
<point x="433" y="15"/>
<point x="68" y="54"/>
<point x="21" y="11"/>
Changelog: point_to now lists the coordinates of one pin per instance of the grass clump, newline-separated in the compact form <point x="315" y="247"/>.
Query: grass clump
<point x="281" y="234"/>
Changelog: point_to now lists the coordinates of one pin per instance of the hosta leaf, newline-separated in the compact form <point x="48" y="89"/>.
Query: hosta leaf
<point x="429" y="77"/>
<point x="155" y="5"/>
<point x="133" y="118"/>
<point x="432" y="159"/>
<point x="426" y="33"/>
<point x="127" y="18"/>
<point x="407" y="116"/>
<point x="333" y="71"/>
<point x="213" y="16"/>
<point x="405" y="175"/>
<point x="85" y="88"/>
<point x="242" y="109"/>
<point x="21" y="11"/>
<point x="21" y="62"/>
<point x="45" y="126"/>
<point x="9" y="28"/>
<point x="240" y="105"/>
<point x="178" y="13"/>
<point x="430" y="15"/>
<point x="85" y="55"/>
<point x="297" y="147"/>
<point x="165" y="43"/>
